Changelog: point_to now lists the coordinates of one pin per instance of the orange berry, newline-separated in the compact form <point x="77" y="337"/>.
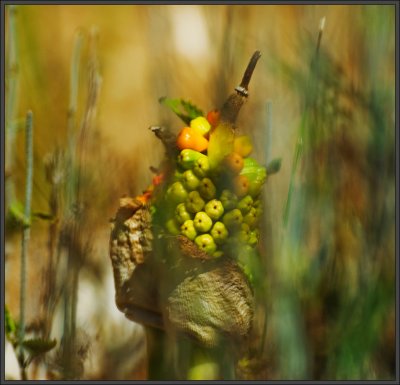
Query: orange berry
<point x="158" y="179"/>
<point x="189" y="138"/>
<point x="234" y="162"/>
<point x="241" y="185"/>
<point x="213" y="117"/>
<point x="145" y="197"/>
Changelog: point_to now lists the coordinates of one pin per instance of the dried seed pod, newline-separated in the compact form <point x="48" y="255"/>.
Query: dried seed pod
<point x="212" y="302"/>
<point x="191" y="300"/>
<point x="130" y="247"/>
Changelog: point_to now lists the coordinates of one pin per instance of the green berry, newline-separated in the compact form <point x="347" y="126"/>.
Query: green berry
<point x="181" y="213"/>
<point x="233" y="219"/>
<point x="190" y="180"/>
<point x="245" y="204"/>
<point x="207" y="189"/>
<point x="219" y="232"/>
<point x="177" y="193"/>
<point x="253" y="238"/>
<point x="256" y="186"/>
<point x="258" y="206"/>
<point x="173" y="227"/>
<point x="218" y="254"/>
<point x="251" y="217"/>
<point x="187" y="158"/>
<point x="206" y="243"/>
<point x="188" y="230"/>
<point x="202" y="222"/>
<point x="255" y="174"/>
<point x="214" y="209"/>
<point x="201" y="166"/>
<point x="178" y="176"/>
<point x="244" y="233"/>
<point x="258" y="211"/>
<point x="194" y="202"/>
<point x="228" y="199"/>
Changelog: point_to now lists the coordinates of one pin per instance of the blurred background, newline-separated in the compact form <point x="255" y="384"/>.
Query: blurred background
<point x="321" y="99"/>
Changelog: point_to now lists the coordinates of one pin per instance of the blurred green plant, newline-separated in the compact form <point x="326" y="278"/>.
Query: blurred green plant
<point x="26" y="350"/>
<point x="25" y="237"/>
<point x="34" y="347"/>
<point x="335" y="285"/>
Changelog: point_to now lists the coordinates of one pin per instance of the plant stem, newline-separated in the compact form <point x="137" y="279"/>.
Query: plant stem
<point x="73" y="101"/>
<point x="11" y="102"/>
<point x="233" y="104"/>
<point x="70" y="202"/>
<point x="297" y="155"/>
<point x="268" y="129"/>
<point x="25" y="235"/>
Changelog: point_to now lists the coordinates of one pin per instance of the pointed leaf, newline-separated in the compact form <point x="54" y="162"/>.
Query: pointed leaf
<point x="274" y="166"/>
<point x="9" y="324"/>
<point x="183" y="109"/>
<point x="191" y="110"/>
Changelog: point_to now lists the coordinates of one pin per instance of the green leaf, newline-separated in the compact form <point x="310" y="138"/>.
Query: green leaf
<point x="274" y="166"/>
<point x="10" y="325"/>
<point x="182" y="108"/>
<point x="38" y="346"/>
<point x="249" y="261"/>
<point x="16" y="211"/>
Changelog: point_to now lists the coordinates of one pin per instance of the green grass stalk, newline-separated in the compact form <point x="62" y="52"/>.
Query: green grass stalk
<point x="12" y="80"/>
<point x="25" y="236"/>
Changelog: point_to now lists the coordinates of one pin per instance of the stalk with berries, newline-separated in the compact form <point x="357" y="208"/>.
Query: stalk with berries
<point x="183" y="252"/>
<point x="211" y="189"/>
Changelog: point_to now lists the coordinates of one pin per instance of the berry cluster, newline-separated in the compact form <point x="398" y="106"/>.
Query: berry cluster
<point x="217" y="208"/>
